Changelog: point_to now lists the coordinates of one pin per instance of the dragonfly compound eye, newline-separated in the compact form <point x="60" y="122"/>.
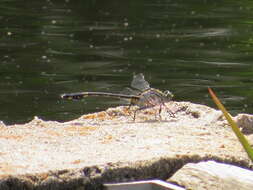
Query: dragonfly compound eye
<point x="168" y="94"/>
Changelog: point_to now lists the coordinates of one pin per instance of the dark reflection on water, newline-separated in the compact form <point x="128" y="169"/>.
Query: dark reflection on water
<point x="52" y="47"/>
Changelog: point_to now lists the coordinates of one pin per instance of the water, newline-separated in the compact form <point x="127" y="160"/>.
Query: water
<point x="54" y="47"/>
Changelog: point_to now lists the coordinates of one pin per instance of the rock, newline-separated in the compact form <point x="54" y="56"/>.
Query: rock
<point x="143" y="185"/>
<point x="2" y="124"/>
<point x="109" y="146"/>
<point x="213" y="175"/>
<point x="245" y="122"/>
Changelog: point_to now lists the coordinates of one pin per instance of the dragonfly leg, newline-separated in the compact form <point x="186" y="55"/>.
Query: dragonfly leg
<point x="129" y="107"/>
<point x="160" y="111"/>
<point x="171" y="113"/>
<point x="139" y="109"/>
<point x="135" y="114"/>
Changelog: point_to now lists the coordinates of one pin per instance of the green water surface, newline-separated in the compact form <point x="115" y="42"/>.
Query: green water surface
<point x="52" y="47"/>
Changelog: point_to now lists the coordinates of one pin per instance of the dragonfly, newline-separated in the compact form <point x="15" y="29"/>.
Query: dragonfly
<point x="140" y="94"/>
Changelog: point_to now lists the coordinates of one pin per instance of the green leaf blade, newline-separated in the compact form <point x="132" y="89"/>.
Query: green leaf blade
<point x="233" y="125"/>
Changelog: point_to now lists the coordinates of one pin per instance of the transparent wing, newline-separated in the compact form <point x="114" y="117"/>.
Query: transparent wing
<point x="139" y="82"/>
<point x="130" y="91"/>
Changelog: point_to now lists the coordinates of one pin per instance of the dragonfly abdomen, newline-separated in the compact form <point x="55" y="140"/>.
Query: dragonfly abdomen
<point x="75" y="96"/>
<point x="81" y="95"/>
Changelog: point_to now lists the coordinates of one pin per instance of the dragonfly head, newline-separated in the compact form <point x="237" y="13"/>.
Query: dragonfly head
<point x="168" y="94"/>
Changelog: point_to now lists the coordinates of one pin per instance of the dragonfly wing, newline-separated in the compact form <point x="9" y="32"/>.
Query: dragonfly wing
<point x="139" y="82"/>
<point x="124" y="102"/>
<point x="130" y="91"/>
